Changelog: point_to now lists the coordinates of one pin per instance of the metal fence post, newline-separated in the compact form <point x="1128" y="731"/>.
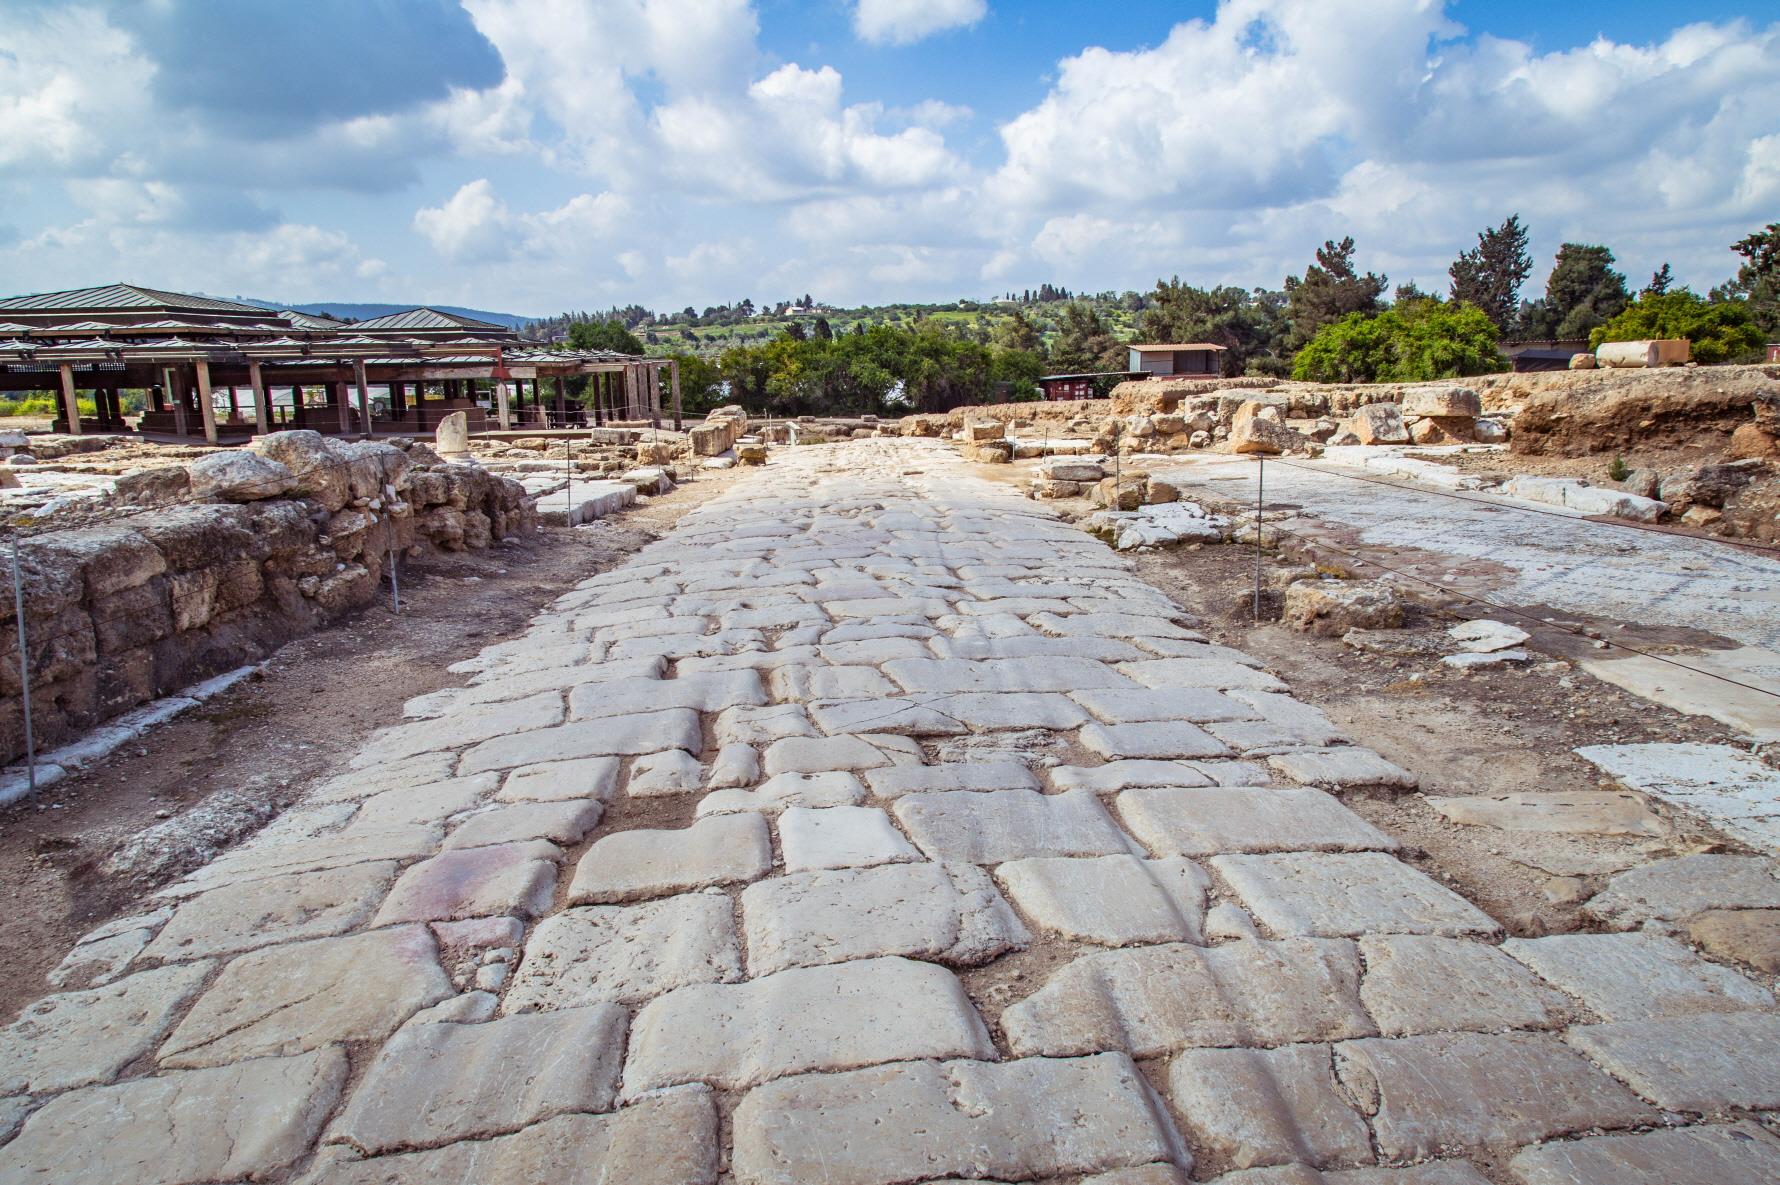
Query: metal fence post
<point x="1260" y="485"/>
<point x="18" y="607"/>
<point x="395" y="585"/>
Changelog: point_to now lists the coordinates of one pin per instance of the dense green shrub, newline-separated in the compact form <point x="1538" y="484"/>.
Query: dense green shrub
<point x="1412" y="341"/>
<point x="1717" y="330"/>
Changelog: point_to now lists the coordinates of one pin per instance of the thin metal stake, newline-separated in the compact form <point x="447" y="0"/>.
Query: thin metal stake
<point x="18" y="607"/>
<point x="568" y="468"/>
<point x="1260" y="485"/>
<point x="395" y="584"/>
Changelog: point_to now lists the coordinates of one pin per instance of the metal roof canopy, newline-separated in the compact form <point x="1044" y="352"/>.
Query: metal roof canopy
<point x="128" y="297"/>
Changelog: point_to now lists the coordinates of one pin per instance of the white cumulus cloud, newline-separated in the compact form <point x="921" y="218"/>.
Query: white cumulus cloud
<point x="904" y="22"/>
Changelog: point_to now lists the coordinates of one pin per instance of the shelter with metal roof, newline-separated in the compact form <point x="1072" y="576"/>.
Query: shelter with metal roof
<point x="225" y="369"/>
<point x="1172" y="358"/>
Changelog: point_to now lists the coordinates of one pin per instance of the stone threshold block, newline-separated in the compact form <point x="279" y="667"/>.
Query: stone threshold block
<point x="1111" y="900"/>
<point x="438" y="1083"/>
<point x="1736" y="1154"/>
<point x="1161" y="999"/>
<point x="81" y="1038"/>
<point x="945" y="913"/>
<point x="840" y="1017"/>
<point x="1020" y="1121"/>
<point x="1430" y="1095"/>
<point x="1637" y="976"/>
<point x="231" y="1123"/>
<point x="1340" y="894"/>
<point x="1704" y="1063"/>
<point x="667" y="1139"/>
<point x="1206" y="822"/>
<point x="625" y="954"/>
<point x="632" y="865"/>
<point x="1001" y="825"/>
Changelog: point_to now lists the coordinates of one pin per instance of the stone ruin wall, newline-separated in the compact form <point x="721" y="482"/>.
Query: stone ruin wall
<point x="213" y="565"/>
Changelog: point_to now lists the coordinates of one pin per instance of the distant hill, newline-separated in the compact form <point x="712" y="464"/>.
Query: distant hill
<point x="364" y="312"/>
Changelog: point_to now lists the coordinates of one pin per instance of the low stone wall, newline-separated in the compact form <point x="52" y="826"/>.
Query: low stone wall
<point x="213" y="565"/>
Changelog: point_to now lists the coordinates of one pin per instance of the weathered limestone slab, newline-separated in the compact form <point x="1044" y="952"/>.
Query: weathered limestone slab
<point x="1111" y="900"/>
<point x="1344" y="767"/>
<point x="1267" y="1106"/>
<point x="1709" y="1062"/>
<point x="500" y="719"/>
<point x="1001" y="825"/>
<point x="1204" y="822"/>
<point x="362" y="783"/>
<point x="1749" y="936"/>
<point x="617" y="736"/>
<point x="259" y="858"/>
<point x="438" y="1083"/>
<point x="103" y="953"/>
<point x="831" y="789"/>
<point x="1585" y="812"/>
<point x="1217" y="674"/>
<point x="673" y="772"/>
<point x="804" y="684"/>
<point x="1678" y="888"/>
<point x="515" y="878"/>
<point x="1155" y="740"/>
<point x="840" y="837"/>
<point x="1470" y="1090"/>
<point x="1159" y="999"/>
<point x="625" y="954"/>
<point x="1637" y="976"/>
<point x="814" y="755"/>
<point x="1139" y="705"/>
<point x="666" y="1139"/>
<point x="839" y="1017"/>
<point x="80" y="1038"/>
<point x="897" y="780"/>
<point x="432" y="803"/>
<point x="1331" y="894"/>
<point x="556" y="781"/>
<point x="226" y="1124"/>
<point x="950" y="675"/>
<point x="277" y="909"/>
<point x="1420" y="983"/>
<point x="559" y="822"/>
<point x="1736" y="1154"/>
<point x="734" y="767"/>
<point x="1021" y="1120"/>
<point x="763" y="726"/>
<point x="630" y="865"/>
<point x="708" y="691"/>
<point x="301" y="996"/>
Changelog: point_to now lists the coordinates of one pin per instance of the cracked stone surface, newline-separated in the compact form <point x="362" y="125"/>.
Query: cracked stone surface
<point x="905" y="815"/>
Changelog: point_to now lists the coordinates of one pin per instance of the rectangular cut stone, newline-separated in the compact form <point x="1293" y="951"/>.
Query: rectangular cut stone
<point x="1020" y="1120"/>
<point x="559" y="822"/>
<point x="1218" y="674"/>
<point x="1139" y="705"/>
<point x="277" y="909"/>
<point x="1332" y="894"/>
<point x="1111" y="900"/>
<point x="708" y="692"/>
<point x="904" y="717"/>
<point x="259" y="859"/>
<point x="1419" y="983"/>
<point x="1682" y="886"/>
<point x="438" y="1083"/>
<point x="949" y="675"/>
<point x="839" y="1017"/>
<point x="81" y="1038"/>
<point x="1341" y="768"/>
<point x="1267" y="1106"/>
<point x="630" y="865"/>
<point x="1204" y="822"/>
<point x="1692" y="1063"/>
<point x="303" y="995"/>
<point x="554" y="781"/>
<point x="1472" y="1090"/>
<point x="1153" y="740"/>
<point x="1637" y="976"/>
<point x="840" y="837"/>
<point x="835" y="788"/>
<point x="667" y="1139"/>
<point x="432" y="803"/>
<point x="811" y="755"/>
<point x="799" y="683"/>
<point x="947" y="913"/>
<point x="617" y="736"/>
<point x="460" y="729"/>
<point x="514" y="879"/>
<point x="1159" y="999"/>
<point x="231" y="1123"/>
<point x="625" y="954"/>
<point x="897" y="780"/>
<point x="1736" y="1154"/>
<point x="999" y="825"/>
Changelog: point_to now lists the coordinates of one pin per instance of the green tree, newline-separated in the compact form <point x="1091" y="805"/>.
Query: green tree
<point x="1718" y="331"/>
<point x="824" y="331"/>
<point x="1330" y="289"/>
<point x="1491" y="273"/>
<point x="1414" y="341"/>
<point x="1017" y="332"/>
<point x="1583" y="291"/>
<point x="1661" y="281"/>
<point x="1757" y="282"/>
<point x="701" y="383"/>
<point x="1247" y="324"/>
<point x="1085" y="342"/>
<point x="603" y="335"/>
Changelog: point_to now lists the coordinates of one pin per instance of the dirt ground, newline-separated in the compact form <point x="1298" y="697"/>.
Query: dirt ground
<point x="294" y="723"/>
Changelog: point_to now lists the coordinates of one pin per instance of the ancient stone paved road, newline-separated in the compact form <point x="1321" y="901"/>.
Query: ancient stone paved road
<point x="980" y="863"/>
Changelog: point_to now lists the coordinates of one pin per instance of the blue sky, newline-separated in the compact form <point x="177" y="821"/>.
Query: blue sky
<point x="536" y="155"/>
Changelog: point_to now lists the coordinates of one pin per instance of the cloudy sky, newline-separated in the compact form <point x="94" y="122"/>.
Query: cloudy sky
<point x="535" y="155"/>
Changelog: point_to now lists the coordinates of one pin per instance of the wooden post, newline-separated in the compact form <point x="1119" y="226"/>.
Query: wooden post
<point x="176" y="389"/>
<point x="342" y="405"/>
<point x="503" y="405"/>
<point x="205" y="408"/>
<point x="364" y="396"/>
<point x="262" y="402"/>
<point x="674" y="382"/>
<point x="299" y="413"/>
<point x="70" y="403"/>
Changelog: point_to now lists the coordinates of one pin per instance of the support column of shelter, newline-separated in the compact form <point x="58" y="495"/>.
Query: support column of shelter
<point x="503" y="406"/>
<point x="205" y="408"/>
<point x="364" y="397"/>
<point x="262" y="402"/>
<point x="70" y="403"/>
<point x="674" y="383"/>
<point x="176" y="392"/>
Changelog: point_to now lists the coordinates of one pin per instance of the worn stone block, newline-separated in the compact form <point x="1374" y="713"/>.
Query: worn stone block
<point x="1111" y="900"/>
<point x="277" y="909"/>
<point x="1708" y="1062"/>
<point x="617" y="736"/>
<point x="1678" y="888"/>
<point x="1330" y="894"/>
<point x="1267" y="1106"/>
<point x="840" y="837"/>
<point x="1419" y="983"/>
<point x="1637" y="976"/>
<point x="1736" y="1154"/>
<point x="1342" y="768"/>
<point x="835" y="788"/>
<point x="1204" y="822"/>
<point x="553" y="781"/>
<point x="625" y="954"/>
<point x="80" y="1038"/>
<point x="515" y="878"/>
<point x="630" y="865"/>
<point x="559" y="822"/>
<point x="1000" y="825"/>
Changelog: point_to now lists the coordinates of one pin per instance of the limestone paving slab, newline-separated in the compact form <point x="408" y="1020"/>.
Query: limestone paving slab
<point x="1135" y="774"/>
<point x="81" y="1038"/>
<point x="839" y="1017"/>
<point x="1160" y="999"/>
<point x="830" y="789"/>
<point x="1735" y="1154"/>
<point x="625" y="954"/>
<point x="947" y="913"/>
<point x="303" y="995"/>
<point x="1205" y="822"/>
<point x="1216" y="674"/>
<point x="616" y="736"/>
<point x="278" y="909"/>
<point x="558" y="822"/>
<point x="515" y="878"/>
<point x="1435" y="1093"/>
<point x="630" y="865"/>
<point x="1257" y="1107"/>
<point x="1000" y="825"/>
<point x="556" y="781"/>
<point x="1341" y="768"/>
<point x="1678" y="888"/>
<point x="955" y="675"/>
<point x="1159" y="740"/>
<point x="1021" y="1120"/>
<point x="1708" y="1062"/>
<point x="438" y="1083"/>
<point x="1111" y="900"/>
<point x="230" y="1123"/>
<point x="1140" y="705"/>
<point x="1637" y="976"/>
<point x="1433" y="1172"/>
<point x="1333" y="894"/>
<point x="840" y="837"/>
<point x="999" y="774"/>
<point x="431" y="803"/>
<point x="1589" y="812"/>
<point x="258" y="858"/>
<point x="1423" y="983"/>
<point x="501" y="719"/>
<point x="904" y="716"/>
<point x="672" y="772"/>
